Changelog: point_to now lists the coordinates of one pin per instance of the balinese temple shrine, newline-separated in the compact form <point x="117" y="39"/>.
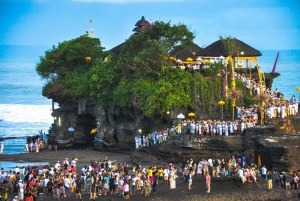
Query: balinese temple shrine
<point x="245" y="59"/>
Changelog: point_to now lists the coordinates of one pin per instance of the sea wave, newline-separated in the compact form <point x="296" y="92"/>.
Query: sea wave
<point x="26" y="113"/>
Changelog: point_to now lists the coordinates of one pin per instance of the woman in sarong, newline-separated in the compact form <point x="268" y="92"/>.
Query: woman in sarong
<point x="199" y="169"/>
<point x="173" y="178"/>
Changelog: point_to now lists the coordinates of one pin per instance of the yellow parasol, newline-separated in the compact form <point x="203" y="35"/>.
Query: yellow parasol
<point x="206" y="61"/>
<point x="88" y="59"/>
<point x="221" y="103"/>
<point x="106" y="59"/>
<point x="93" y="131"/>
<point x="192" y="114"/>
<point x="189" y="59"/>
<point x="173" y="58"/>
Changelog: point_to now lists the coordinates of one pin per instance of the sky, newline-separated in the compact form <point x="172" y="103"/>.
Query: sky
<point x="263" y="24"/>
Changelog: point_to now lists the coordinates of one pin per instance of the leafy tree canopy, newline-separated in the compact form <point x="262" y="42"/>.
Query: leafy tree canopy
<point x="141" y="76"/>
<point x="145" y="53"/>
<point x="66" y="67"/>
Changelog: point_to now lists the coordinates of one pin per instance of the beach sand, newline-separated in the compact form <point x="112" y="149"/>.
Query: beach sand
<point x="221" y="188"/>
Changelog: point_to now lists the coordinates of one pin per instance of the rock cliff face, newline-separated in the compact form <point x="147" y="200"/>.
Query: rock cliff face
<point x="277" y="151"/>
<point x="289" y="125"/>
<point x="74" y="121"/>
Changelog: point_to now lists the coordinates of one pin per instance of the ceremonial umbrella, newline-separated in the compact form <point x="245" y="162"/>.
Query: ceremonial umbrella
<point x="88" y="59"/>
<point x="189" y="59"/>
<point x="192" y="114"/>
<point x="180" y="116"/>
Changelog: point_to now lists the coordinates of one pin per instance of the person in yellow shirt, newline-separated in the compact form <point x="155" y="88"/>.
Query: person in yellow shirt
<point x="160" y="174"/>
<point x="150" y="175"/>
<point x="179" y="129"/>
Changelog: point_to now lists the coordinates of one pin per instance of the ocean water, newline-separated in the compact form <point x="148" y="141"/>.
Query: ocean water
<point x="288" y="66"/>
<point x="24" y="111"/>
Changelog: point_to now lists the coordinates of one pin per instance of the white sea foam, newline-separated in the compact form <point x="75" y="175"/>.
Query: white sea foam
<point x="26" y="113"/>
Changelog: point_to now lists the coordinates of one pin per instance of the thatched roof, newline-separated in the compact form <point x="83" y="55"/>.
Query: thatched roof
<point x="187" y="52"/>
<point x="217" y="49"/>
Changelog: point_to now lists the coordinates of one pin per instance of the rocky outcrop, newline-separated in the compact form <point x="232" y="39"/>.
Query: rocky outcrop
<point x="288" y="125"/>
<point x="74" y="121"/>
<point x="281" y="153"/>
<point x="277" y="151"/>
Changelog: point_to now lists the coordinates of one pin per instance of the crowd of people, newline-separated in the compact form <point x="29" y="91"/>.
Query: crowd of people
<point x="276" y="105"/>
<point x="35" y="145"/>
<point x="110" y="178"/>
<point x="197" y="128"/>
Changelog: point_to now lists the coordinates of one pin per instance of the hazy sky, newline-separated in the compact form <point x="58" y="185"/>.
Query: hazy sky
<point x="263" y="24"/>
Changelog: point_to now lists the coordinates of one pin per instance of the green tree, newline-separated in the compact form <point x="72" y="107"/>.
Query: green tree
<point x="147" y="74"/>
<point x="66" y="67"/>
<point x="145" y="53"/>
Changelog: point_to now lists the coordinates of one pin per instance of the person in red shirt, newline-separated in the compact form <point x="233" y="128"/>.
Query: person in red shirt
<point x="31" y="182"/>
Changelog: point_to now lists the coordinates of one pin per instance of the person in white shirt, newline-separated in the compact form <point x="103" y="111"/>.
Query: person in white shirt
<point x="66" y="161"/>
<point x="73" y="163"/>
<point x="45" y="182"/>
<point x="84" y="170"/>
<point x="1" y="148"/>
<point x="126" y="190"/>
<point x="120" y="185"/>
<point x="31" y="145"/>
<point x="27" y="147"/>
<point x="17" y="169"/>
<point x="67" y="184"/>
<point x="57" y="165"/>
<point x="241" y="175"/>
<point x="3" y="175"/>
<point x="51" y="172"/>
<point x="166" y="176"/>
<point x="21" y="190"/>
<point x="16" y="198"/>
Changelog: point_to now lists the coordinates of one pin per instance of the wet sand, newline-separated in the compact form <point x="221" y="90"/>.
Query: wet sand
<point x="221" y="188"/>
